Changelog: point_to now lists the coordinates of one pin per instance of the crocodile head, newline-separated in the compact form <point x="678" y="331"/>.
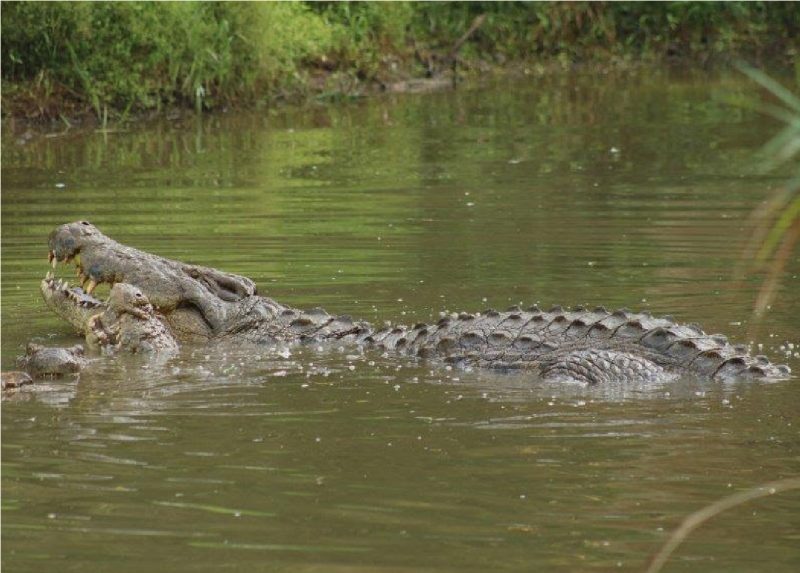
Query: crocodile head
<point x="196" y="302"/>
<point x="129" y="324"/>
<point x="44" y="361"/>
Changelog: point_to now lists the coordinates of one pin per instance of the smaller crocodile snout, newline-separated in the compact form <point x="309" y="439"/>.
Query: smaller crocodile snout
<point x="126" y="298"/>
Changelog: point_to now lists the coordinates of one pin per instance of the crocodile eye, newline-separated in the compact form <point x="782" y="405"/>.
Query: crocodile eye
<point x="138" y="295"/>
<point x="85" y="223"/>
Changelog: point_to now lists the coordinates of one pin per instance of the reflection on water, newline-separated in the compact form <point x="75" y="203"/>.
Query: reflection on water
<point x="622" y="191"/>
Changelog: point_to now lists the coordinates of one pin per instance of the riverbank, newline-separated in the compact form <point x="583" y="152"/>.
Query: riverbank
<point x="90" y="63"/>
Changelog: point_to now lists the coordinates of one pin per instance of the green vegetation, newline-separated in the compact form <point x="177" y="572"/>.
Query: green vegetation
<point x="142" y="56"/>
<point x="62" y="59"/>
<point x="777" y="222"/>
<point x="785" y="146"/>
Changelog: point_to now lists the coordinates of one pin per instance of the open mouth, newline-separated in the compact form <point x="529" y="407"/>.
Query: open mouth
<point x="71" y="303"/>
<point x="75" y="294"/>
<point x="87" y="283"/>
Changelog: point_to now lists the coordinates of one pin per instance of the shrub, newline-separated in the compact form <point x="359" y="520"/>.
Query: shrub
<point x="143" y="55"/>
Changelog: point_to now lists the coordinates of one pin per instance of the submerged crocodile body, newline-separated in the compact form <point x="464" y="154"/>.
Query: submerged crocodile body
<point x="201" y="304"/>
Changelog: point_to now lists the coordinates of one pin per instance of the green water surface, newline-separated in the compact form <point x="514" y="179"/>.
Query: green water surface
<point x="633" y="191"/>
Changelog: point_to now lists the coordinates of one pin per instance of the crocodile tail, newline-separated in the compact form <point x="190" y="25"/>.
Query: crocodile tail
<point x="517" y="338"/>
<point x="690" y="347"/>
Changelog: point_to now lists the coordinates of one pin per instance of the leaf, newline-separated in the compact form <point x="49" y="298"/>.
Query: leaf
<point x="771" y="85"/>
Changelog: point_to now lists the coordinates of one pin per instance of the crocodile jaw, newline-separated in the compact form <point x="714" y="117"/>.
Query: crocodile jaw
<point x="70" y="303"/>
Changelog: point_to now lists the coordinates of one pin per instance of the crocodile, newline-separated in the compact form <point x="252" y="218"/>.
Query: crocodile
<point x="42" y="361"/>
<point x="126" y="323"/>
<point x="197" y="304"/>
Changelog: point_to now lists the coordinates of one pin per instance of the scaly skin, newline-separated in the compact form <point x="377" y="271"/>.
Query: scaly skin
<point x="593" y="346"/>
<point x="129" y="324"/>
<point x="41" y="361"/>
<point x="174" y="288"/>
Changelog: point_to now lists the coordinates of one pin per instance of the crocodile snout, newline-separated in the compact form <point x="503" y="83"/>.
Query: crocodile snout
<point x="66" y="241"/>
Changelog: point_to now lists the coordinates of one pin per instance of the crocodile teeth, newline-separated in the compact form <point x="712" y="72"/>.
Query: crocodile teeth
<point x="54" y="262"/>
<point x="91" y="287"/>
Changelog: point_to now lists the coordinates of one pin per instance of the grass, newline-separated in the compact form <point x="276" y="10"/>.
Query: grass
<point x="114" y="59"/>
<point x="701" y="516"/>
<point x="143" y="56"/>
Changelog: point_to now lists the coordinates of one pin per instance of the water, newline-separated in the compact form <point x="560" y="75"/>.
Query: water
<point x="634" y="191"/>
